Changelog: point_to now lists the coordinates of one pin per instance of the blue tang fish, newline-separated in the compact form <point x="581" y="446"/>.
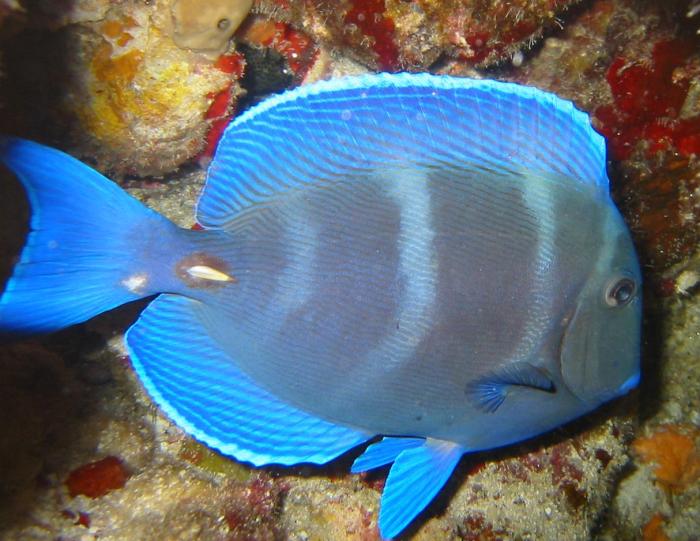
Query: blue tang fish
<point x="432" y="259"/>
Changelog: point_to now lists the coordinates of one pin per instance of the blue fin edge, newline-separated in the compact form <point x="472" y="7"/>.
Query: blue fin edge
<point x="429" y="80"/>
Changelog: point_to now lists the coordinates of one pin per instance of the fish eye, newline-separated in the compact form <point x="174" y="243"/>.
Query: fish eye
<point x="223" y="24"/>
<point x="620" y="292"/>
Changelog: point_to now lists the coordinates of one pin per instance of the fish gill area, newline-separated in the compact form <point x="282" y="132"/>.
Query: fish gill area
<point x="142" y="90"/>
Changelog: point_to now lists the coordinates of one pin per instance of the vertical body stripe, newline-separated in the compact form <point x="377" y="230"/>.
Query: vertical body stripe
<point x="417" y="269"/>
<point x="538" y="198"/>
<point x="295" y="284"/>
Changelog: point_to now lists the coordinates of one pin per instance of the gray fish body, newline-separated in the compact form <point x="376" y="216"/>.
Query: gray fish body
<point x="376" y="302"/>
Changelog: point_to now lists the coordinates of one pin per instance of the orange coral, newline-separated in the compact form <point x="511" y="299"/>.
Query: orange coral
<point x="653" y="530"/>
<point x="116" y="30"/>
<point x="674" y="452"/>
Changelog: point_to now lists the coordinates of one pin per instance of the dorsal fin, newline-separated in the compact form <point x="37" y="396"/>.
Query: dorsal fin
<point x="333" y="130"/>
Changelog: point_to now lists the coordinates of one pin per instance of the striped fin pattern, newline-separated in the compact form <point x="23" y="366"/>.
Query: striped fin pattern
<point x="202" y="391"/>
<point x="350" y="127"/>
<point x="416" y="477"/>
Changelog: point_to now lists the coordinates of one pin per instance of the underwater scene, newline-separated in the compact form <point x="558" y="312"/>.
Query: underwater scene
<point x="354" y="270"/>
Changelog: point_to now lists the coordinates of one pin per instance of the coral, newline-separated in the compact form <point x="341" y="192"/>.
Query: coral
<point x="485" y="33"/>
<point x="564" y="468"/>
<point x="681" y="280"/>
<point x="298" y="50"/>
<point x="675" y="455"/>
<point x="662" y="209"/>
<point x="476" y="528"/>
<point x="318" y="508"/>
<point x="149" y="104"/>
<point x="81" y="518"/>
<point x="603" y="456"/>
<point x="653" y="530"/>
<point x="666" y="454"/>
<point x="654" y="122"/>
<point x="371" y="20"/>
<point x="252" y="511"/>
<point x="97" y="478"/>
<point x="392" y="35"/>
<point x="55" y="15"/>
<point x="648" y="99"/>
<point x="207" y="26"/>
<point x="123" y="92"/>
<point x="223" y="102"/>
<point x="212" y="462"/>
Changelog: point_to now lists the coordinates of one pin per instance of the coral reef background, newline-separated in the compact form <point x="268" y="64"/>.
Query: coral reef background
<point x="142" y="89"/>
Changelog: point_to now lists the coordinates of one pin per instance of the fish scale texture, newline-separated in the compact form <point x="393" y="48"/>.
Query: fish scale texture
<point x="203" y="391"/>
<point x="332" y="129"/>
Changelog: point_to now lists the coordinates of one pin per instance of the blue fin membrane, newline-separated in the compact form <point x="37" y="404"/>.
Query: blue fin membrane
<point x="79" y="242"/>
<point x="201" y="389"/>
<point x="334" y="129"/>
<point x="490" y="391"/>
<point x="416" y="477"/>
<point x="384" y="452"/>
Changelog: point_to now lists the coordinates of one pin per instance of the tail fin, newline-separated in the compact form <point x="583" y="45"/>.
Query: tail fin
<point x="79" y="248"/>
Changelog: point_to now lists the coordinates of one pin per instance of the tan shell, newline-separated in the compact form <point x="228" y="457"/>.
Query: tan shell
<point x="207" y="25"/>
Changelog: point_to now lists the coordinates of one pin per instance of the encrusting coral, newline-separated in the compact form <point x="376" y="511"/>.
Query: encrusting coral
<point x="138" y="87"/>
<point x="674" y="454"/>
<point x="395" y="35"/>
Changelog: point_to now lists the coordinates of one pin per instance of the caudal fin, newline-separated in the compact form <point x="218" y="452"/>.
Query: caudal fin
<point x="79" y="248"/>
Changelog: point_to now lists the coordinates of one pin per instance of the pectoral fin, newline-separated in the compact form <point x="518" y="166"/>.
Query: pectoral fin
<point x="488" y="392"/>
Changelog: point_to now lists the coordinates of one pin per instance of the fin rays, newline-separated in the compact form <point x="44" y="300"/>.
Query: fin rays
<point x="77" y="260"/>
<point x="320" y="132"/>
<point x="416" y="477"/>
<point x="203" y="391"/>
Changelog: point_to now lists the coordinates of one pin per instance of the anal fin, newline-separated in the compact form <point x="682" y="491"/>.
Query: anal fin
<point x="200" y="387"/>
